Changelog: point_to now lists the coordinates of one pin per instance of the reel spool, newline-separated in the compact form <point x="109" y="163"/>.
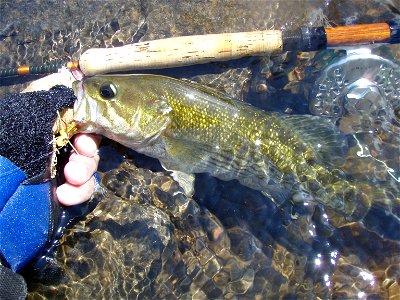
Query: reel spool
<point x="362" y="90"/>
<point x="359" y="83"/>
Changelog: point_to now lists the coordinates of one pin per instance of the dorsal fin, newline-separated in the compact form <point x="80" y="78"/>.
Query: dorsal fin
<point x="321" y="134"/>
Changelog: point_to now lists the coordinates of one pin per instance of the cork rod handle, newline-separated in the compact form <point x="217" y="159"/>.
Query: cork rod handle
<point x="180" y="51"/>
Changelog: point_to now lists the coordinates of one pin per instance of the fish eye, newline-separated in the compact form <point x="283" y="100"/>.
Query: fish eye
<point x="108" y="90"/>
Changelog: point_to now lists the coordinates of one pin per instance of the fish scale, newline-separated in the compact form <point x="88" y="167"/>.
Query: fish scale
<point x="215" y="125"/>
<point x="194" y="129"/>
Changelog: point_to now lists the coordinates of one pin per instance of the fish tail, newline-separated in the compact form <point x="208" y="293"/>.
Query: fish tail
<point x="359" y="201"/>
<point x="377" y="207"/>
<point x="383" y="214"/>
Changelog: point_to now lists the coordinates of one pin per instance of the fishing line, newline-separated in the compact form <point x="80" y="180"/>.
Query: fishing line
<point x="364" y="152"/>
<point x="19" y="168"/>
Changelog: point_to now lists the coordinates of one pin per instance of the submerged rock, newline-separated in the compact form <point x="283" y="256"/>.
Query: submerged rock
<point x="145" y="239"/>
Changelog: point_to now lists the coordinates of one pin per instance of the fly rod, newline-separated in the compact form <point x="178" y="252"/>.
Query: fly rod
<point x="199" y="49"/>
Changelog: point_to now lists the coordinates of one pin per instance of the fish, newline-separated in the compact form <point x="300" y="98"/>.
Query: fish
<point x="194" y="129"/>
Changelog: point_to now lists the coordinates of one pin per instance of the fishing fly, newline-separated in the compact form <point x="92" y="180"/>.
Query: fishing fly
<point x="65" y="134"/>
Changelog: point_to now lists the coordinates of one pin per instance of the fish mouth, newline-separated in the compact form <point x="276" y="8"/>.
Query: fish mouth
<point x="77" y="87"/>
<point x="80" y="113"/>
<point x="85" y="109"/>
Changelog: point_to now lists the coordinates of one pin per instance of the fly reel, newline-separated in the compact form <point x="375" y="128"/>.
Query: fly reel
<point x="359" y="83"/>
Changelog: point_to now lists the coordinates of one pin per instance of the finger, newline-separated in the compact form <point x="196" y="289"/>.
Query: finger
<point x="80" y="168"/>
<point x="87" y="144"/>
<point x="68" y="194"/>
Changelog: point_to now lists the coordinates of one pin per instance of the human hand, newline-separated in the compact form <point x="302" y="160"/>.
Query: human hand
<point x="28" y="219"/>
<point x="78" y="172"/>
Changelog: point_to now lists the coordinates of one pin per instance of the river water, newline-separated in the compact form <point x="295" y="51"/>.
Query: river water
<point x="142" y="237"/>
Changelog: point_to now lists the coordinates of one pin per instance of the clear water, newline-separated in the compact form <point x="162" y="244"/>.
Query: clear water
<point x="229" y="242"/>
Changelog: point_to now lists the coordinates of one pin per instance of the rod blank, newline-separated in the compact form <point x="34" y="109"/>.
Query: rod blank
<point x="198" y="49"/>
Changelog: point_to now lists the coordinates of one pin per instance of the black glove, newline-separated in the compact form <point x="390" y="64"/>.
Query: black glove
<point x="29" y="212"/>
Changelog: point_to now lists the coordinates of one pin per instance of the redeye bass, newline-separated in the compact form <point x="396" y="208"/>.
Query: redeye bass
<point x="194" y="129"/>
